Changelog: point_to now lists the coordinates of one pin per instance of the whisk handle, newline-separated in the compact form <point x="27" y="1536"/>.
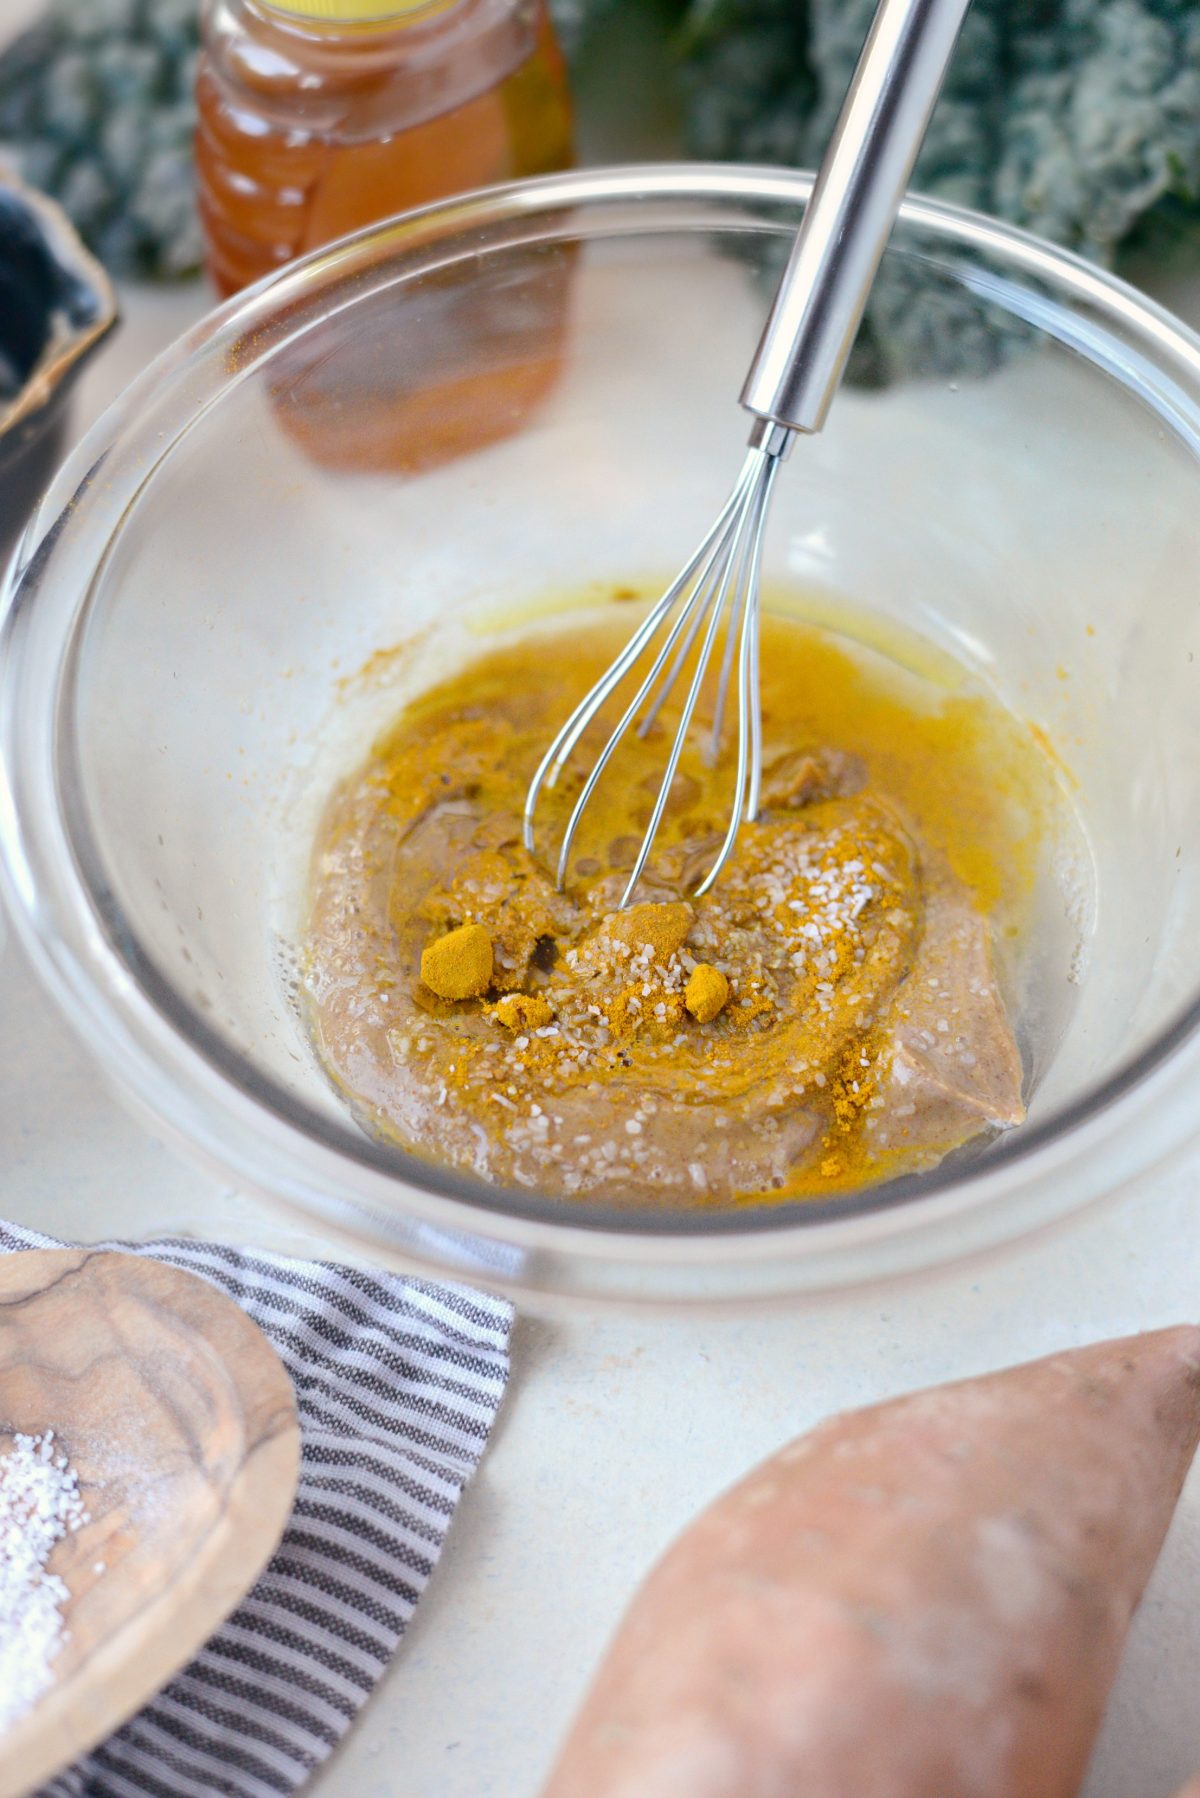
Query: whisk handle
<point x="861" y="181"/>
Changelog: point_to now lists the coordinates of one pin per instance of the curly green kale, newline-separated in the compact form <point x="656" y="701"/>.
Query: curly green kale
<point x="97" y="102"/>
<point x="1073" y="117"/>
<point x="1104" y="123"/>
<point x="749" y="78"/>
<point x="1079" y="119"/>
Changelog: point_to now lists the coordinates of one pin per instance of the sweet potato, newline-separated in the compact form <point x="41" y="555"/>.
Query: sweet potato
<point x="922" y="1600"/>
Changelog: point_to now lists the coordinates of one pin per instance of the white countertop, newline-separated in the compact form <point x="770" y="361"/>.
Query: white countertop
<point x="615" y="1432"/>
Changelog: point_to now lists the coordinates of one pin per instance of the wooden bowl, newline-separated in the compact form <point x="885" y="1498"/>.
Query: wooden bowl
<point x="179" y="1419"/>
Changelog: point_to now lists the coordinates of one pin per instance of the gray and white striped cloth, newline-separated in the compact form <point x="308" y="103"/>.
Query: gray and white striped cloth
<point x="398" y="1383"/>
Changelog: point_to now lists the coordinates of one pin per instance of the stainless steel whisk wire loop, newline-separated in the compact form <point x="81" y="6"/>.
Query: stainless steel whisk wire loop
<point x="721" y="577"/>
<point x="795" y="373"/>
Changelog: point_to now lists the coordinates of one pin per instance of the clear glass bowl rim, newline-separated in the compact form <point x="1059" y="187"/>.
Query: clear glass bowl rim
<point x="195" y="1085"/>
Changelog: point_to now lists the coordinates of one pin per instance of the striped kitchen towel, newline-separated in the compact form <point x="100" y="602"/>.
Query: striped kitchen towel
<point x="398" y="1383"/>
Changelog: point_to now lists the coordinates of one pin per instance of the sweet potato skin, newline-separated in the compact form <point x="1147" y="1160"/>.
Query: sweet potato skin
<point x="929" y="1596"/>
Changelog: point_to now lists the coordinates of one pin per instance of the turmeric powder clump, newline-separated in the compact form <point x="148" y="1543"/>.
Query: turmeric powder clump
<point x="706" y="992"/>
<point x="459" y="964"/>
<point x="522" y="1011"/>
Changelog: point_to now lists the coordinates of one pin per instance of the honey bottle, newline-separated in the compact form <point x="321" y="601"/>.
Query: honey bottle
<point x="317" y="117"/>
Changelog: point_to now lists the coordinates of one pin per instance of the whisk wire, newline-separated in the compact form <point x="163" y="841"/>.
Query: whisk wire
<point x="741" y="485"/>
<point x="720" y="580"/>
<point x="715" y="607"/>
<point x="753" y="796"/>
<point x="745" y="612"/>
<point x="737" y="631"/>
<point x="696" y="605"/>
<point x="556" y="756"/>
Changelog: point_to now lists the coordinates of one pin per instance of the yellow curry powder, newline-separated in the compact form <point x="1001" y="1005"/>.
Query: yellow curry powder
<point x="458" y="965"/>
<point x="706" y="992"/>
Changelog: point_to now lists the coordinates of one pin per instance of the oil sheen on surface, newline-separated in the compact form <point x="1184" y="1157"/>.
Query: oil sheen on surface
<point x="859" y="929"/>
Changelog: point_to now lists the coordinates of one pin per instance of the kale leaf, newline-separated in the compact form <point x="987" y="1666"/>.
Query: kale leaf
<point x="97" y="101"/>
<point x="1078" y="119"/>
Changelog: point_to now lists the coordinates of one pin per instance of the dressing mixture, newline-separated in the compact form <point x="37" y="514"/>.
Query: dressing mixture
<point x="833" y="1012"/>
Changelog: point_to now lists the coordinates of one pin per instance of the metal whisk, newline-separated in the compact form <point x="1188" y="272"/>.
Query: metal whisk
<point x="792" y="380"/>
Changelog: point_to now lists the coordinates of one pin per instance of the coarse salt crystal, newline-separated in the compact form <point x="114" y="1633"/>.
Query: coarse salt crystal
<point x="40" y="1503"/>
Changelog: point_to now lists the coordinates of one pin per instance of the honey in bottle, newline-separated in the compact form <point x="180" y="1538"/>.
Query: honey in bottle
<point x="325" y="116"/>
<point x="318" y="117"/>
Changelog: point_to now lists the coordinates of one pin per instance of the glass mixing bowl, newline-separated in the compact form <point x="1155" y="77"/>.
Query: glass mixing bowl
<point x="414" y="436"/>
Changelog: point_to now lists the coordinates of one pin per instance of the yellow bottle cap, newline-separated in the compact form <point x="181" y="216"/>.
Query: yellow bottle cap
<point x="360" y="12"/>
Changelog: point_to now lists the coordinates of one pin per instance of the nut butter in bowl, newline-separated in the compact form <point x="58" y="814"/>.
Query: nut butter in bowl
<point x="840" y="1008"/>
